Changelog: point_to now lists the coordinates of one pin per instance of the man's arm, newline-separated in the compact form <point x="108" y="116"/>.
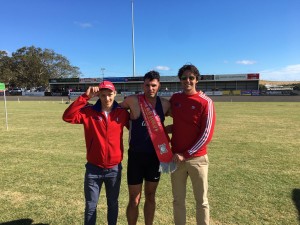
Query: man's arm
<point x="73" y="113"/>
<point x="208" y="120"/>
<point x="125" y="104"/>
<point x="167" y="111"/>
<point x="131" y="103"/>
<point x="166" y="106"/>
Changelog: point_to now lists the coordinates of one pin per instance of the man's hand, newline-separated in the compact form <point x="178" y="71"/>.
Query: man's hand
<point x="92" y="92"/>
<point x="168" y="128"/>
<point x="177" y="158"/>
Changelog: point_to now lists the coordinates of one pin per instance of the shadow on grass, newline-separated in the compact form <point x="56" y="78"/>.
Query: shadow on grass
<point x="22" y="222"/>
<point x="296" y="199"/>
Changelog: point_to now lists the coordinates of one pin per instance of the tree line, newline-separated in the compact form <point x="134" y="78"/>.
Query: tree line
<point x="30" y="67"/>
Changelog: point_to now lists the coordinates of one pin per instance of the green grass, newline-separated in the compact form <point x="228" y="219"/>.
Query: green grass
<point x="254" y="167"/>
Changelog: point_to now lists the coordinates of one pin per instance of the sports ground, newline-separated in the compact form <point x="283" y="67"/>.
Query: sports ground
<point x="254" y="175"/>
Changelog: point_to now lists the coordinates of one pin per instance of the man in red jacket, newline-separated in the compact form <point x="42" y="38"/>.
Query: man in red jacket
<point x="103" y="128"/>
<point x="193" y="126"/>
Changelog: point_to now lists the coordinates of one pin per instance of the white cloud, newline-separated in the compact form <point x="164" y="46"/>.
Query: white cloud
<point x="164" y="68"/>
<point x="288" y="73"/>
<point x="246" y="62"/>
<point x="83" y="25"/>
<point x="8" y="53"/>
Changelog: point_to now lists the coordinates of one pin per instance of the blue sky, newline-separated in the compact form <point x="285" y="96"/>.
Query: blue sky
<point x="218" y="36"/>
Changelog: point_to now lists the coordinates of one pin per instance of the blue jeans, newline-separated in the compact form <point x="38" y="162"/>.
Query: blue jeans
<point x="94" y="178"/>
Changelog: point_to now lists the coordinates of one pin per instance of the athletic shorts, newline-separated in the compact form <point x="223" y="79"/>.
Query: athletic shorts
<point x="142" y="166"/>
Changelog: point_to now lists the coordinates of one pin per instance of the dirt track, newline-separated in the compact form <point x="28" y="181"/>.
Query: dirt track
<point x="214" y="98"/>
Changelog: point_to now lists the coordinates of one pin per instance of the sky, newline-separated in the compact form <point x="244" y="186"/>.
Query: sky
<point x="217" y="36"/>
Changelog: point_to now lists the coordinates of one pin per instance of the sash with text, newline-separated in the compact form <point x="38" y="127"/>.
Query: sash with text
<point x="157" y="134"/>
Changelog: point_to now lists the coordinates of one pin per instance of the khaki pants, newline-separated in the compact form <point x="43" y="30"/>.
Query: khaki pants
<point x="197" y="169"/>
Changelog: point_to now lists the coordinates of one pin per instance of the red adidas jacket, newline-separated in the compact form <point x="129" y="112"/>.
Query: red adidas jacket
<point x="193" y="123"/>
<point x="103" y="136"/>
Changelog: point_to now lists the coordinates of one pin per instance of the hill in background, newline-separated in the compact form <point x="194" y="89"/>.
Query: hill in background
<point x="264" y="82"/>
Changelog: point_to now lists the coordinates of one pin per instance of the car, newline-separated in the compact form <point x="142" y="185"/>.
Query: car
<point x="15" y="91"/>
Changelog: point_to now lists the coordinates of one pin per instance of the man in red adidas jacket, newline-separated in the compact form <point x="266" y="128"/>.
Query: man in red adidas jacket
<point x="193" y="126"/>
<point x="103" y="128"/>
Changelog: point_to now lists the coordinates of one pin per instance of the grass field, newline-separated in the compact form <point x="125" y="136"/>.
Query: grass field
<point x="254" y="173"/>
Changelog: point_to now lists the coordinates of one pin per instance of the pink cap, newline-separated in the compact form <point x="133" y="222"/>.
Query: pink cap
<point x="107" y="85"/>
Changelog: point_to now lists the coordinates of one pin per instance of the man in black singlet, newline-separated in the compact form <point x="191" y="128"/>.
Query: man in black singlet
<point x="143" y="163"/>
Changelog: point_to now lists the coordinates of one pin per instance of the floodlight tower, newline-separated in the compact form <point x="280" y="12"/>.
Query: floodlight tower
<point x="102" y="70"/>
<point x="133" y="50"/>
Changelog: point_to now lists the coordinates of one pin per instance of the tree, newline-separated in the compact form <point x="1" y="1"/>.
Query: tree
<point x="33" y="67"/>
<point x="262" y="87"/>
<point x="6" y="74"/>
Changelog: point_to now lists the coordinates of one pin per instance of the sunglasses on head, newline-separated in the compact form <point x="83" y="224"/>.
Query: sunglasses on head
<point x="189" y="77"/>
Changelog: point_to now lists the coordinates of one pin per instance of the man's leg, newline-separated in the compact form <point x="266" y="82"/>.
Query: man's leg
<point x="112" y="187"/>
<point x="198" y="171"/>
<point x="132" y="211"/>
<point x="179" y="180"/>
<point x="135" y="171"/>
<point x="92" y="187"/>
<point x="149" y="207"/>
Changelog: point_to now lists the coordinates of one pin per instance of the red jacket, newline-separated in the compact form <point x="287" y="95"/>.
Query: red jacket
<point x="103" y="136"/>
<point x="193" y="123"/>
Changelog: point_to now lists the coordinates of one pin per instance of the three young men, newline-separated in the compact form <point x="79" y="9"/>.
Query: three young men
<point x="193" y="125"/>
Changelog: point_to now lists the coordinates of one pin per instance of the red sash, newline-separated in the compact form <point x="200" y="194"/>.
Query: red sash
<point x="156" y="131"/>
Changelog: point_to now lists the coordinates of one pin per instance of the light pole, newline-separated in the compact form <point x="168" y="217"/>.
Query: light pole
<point x="102" y="69"/>
<point x="133" y="50"/>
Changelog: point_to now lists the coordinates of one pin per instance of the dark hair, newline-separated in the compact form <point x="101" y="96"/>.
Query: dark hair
<point x="151" y="75"/>
<point x="191" y="68"/>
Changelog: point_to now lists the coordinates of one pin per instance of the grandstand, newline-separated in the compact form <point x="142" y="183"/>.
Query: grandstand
<point x="226" y="84"/>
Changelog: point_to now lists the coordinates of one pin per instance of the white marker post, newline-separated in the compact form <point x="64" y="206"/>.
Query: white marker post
<point x="2" y="88"/>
